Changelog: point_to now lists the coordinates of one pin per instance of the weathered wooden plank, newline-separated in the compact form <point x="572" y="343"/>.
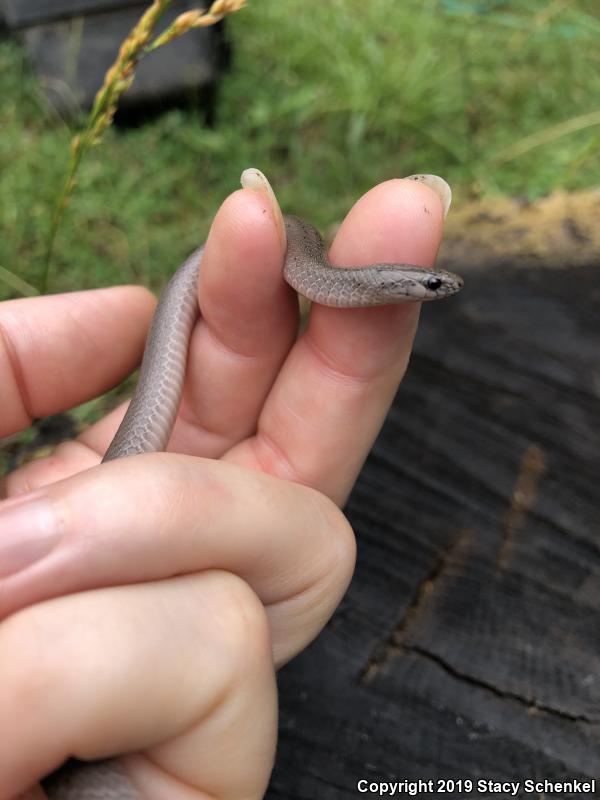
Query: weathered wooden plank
<point x="21" y="13"/>
<point x="71" y="57"/>
<point x="468" y="645"/>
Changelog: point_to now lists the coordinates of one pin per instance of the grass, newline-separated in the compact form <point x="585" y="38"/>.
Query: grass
<point x="327" y="98"/>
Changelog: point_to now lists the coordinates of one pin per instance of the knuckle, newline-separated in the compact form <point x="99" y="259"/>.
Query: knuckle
<point x="240" y="625"/>
<point x="338" y="543"/>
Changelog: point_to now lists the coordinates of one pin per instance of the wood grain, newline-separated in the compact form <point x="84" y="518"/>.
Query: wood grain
<point x="469" y="642"/>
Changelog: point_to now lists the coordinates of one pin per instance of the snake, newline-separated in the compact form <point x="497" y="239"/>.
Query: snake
<point x="149" y="419"/>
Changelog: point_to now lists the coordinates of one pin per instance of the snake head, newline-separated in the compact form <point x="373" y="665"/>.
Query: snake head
<point x="399" y="283"/>
<point x="439" y="283"/>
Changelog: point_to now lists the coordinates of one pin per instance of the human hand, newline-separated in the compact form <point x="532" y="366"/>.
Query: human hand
<point x="119" y="523"/>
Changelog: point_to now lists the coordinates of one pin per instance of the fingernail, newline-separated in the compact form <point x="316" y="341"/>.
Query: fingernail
<point x="255" y="180"/>
<point x="437" y="185"/>
<point x="29" y="530"/>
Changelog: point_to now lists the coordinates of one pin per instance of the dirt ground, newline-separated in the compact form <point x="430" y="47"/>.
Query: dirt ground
<point x="561" y="230"/>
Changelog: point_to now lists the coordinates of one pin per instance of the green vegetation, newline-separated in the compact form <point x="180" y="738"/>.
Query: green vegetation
<point x="326" y="98"/>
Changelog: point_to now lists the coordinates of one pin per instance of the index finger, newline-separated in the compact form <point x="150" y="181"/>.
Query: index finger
<point x="336" y="386"/>
<point x="60" y="350"/>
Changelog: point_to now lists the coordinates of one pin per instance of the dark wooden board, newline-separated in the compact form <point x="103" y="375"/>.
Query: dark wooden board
<point x="21" y="13"/>
<point x="468" y="645"/>
<point x="71" y="55"/>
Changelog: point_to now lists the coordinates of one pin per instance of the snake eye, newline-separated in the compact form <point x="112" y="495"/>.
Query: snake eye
<point x="433" y="284"/>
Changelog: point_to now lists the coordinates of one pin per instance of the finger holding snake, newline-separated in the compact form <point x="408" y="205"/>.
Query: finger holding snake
<point x="290" y="420"/>
<point x="255" y="394"/>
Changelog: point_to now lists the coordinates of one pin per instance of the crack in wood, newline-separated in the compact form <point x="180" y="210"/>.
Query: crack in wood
<point x="393" y="645"/>
<point x="522" y="501"/>
<point x="532" y="706"/>
<point x="385" y="650"/>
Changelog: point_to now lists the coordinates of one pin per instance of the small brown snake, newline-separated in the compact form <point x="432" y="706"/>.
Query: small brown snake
<point x="147" y="424"/>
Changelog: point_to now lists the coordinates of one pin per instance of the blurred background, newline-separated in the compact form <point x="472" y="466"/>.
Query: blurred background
<point x="500" y="97"/>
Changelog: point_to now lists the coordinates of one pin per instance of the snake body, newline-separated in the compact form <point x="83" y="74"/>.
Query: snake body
<point x="147" y="424"/>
